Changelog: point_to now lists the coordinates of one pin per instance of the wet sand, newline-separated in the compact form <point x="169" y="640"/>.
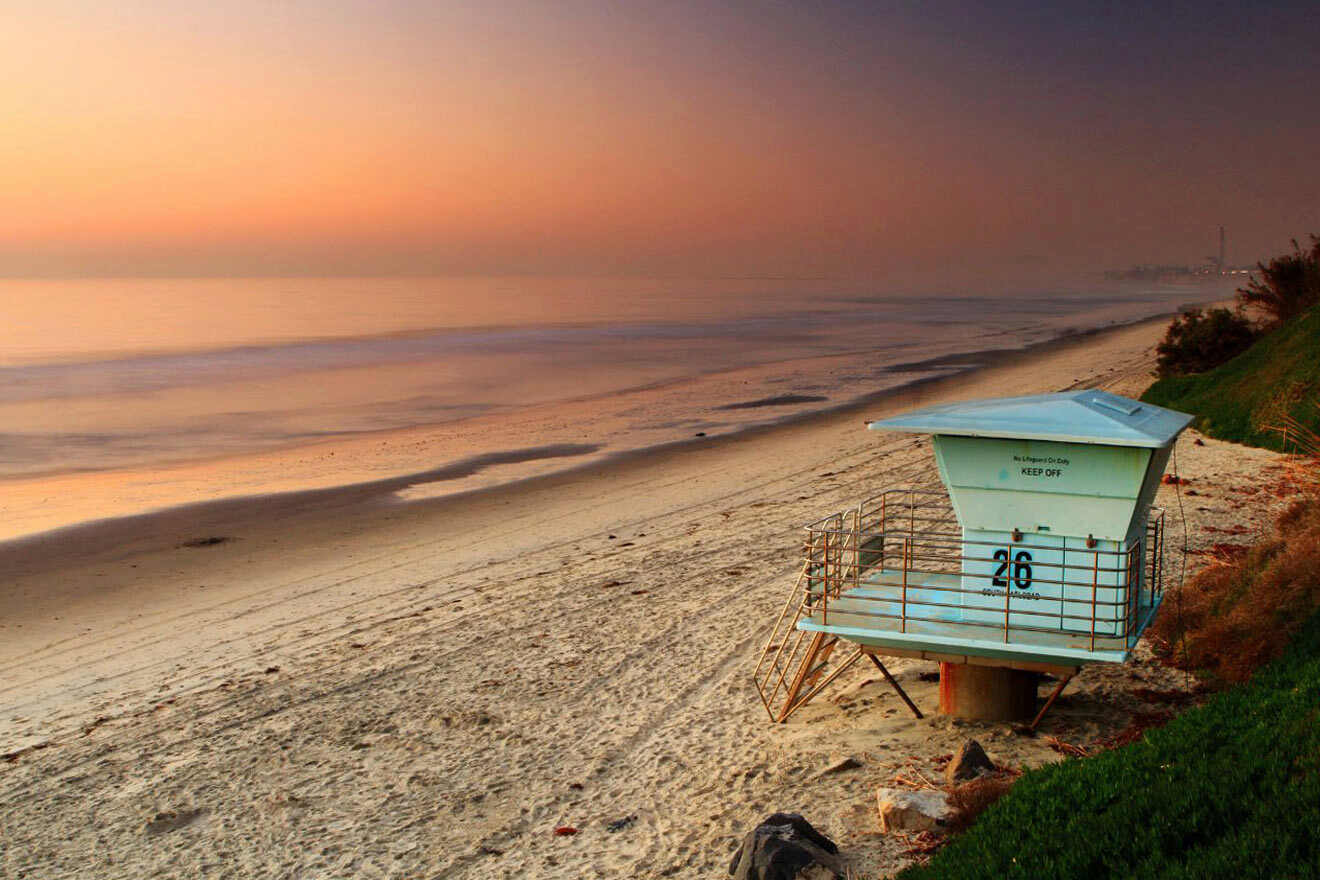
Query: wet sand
<point x="351" y="685"/>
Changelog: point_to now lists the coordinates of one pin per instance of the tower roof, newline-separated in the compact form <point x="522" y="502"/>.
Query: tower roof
<point x="1088" y="416"/>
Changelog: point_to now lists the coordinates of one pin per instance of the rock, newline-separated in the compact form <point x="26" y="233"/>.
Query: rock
<point x="620" y="824"/>
<point x="206" y="542"/>
<point x="840" y="766"/>
<point x="970" y="762"/>
<point x="786" y="847"/>
<point x="904" y="810"/>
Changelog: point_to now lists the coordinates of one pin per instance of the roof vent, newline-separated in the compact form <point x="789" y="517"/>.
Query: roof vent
<point x="1118" y="405"/>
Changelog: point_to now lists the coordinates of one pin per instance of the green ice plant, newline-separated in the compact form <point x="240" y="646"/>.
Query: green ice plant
<point x="1228" y="789"/>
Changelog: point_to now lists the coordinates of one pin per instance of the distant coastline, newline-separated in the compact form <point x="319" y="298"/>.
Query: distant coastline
<point x="1170" y="274"/>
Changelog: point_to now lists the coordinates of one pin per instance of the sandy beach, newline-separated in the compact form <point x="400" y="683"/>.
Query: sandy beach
<point x="338" y="682"/>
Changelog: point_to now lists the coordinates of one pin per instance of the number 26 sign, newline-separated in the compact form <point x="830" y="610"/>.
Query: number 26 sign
<point x="1021" y="573"/>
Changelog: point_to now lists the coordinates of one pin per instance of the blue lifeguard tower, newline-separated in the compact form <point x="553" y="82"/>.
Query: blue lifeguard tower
<point x="1042" y="554"/>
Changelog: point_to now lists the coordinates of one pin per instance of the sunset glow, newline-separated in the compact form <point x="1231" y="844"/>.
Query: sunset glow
<point x="588" y="137"/>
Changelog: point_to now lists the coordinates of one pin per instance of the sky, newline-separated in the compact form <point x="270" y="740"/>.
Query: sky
<point x="588" y="137"/>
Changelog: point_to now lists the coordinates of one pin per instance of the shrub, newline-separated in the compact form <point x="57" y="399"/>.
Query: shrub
<point x="1288" y="285"/>
<point x="1199" y="340"/>
<point x="1272" y="383"/>
<point x="1234" y="617"/>
<point x="972" y="798"/>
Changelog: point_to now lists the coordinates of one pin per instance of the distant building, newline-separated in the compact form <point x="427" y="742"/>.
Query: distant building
<point x="1214" y="267"/>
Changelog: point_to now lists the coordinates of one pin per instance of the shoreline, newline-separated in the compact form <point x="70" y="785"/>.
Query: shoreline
<point x="641" y="375"/>
<point x="96" y="536"/>
<point x="967" y="360"/>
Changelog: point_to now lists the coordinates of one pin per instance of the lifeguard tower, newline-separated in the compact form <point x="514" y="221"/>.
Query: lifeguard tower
<point x="1042" y="554"/>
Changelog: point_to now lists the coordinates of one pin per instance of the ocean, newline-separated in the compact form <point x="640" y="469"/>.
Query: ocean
<point x="147" y="375"/>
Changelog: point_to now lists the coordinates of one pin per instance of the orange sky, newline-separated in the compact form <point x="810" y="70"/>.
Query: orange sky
<point x="287" y="136"/>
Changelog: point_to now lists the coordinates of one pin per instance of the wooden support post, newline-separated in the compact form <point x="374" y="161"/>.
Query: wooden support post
<point x="986" y="693"/>
<point x="790" y="708"/>
<point x="808" y="659"/>
<point x="896" y="686"/>
<point x="1063" y="683"/>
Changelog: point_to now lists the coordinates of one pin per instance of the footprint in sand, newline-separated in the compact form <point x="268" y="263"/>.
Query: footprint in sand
<point x="171" y="820"/>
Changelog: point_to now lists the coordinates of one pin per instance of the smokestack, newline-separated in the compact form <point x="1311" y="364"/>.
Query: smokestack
<point x="1221" y="251"/>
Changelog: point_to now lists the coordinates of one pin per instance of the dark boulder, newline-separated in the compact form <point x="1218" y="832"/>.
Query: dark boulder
<point x="970" y="762"/>
<point x="785" y="847"/>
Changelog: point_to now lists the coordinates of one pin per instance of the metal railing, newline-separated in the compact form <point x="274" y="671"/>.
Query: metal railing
<point x="900" y="559"/>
